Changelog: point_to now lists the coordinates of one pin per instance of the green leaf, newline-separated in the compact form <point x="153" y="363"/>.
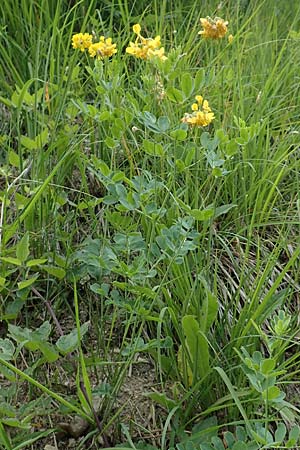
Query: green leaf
<point x="231" y="148"/>
<point x="217" y="172"/>
<point x="209" y="143"/>
<point x="175" y="95"/>
<point x="203" y="214"/>
<point x="163" y="123"/>
<point x="180" y="165"/>
<point x="179" y="135"/>
<point x="197" y="346"/>
<point x="48" y="351"/>
<point x="280" y="433"/>
<point x="187" y="84"/>
<point x="162" y="399"/>
<point x="22" y="250"/>
<point x="272" y="393"/>
<point x="199" y="79"/>
<point x="69" y="342"/>
<point x="260" y="439"/>
<point x="110" y="142"/>
<point x="57" y="272"/>
<point x="217" y="443"/>
<point x="153" y="148"/>
<point x="24" y="284"/>
<point x="105" y="115"/>
<point x="28" y="143"/>
<point x="267" y="365"/>
<point x="239" y="445"/>
<point x="224" y="209"/>
<point x="42" y="333"/>
<point x="36" y="262"/>
<point x="10" y="260"/>
<point x="7" y="349"/>
<point x="293" y="436"/>
<point x="14" y="159"/>
<point x="42" y="138"/>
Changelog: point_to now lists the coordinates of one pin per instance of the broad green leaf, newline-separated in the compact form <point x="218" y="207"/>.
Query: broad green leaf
<point x="22" y="250"/>
<point x="163" y="123"/>
<point x="217" y="172"/>
<point x="272" y="393"/>
<point x="231" y="148"/>
<point x="36" y="262"/>
<point x="199" y="80"/>
<point x="209" y="143"/>
<point x="267" y="365"/>
<point x="28" y="143"/>
<point x="293" y="436"/>
<point x="179" y="135"/>
<point x="203" y="214"/>
<point x="197" y="346"/>
<point x="280" y="433"/>
<point x="162" y="399"/>
<point x="14" y="159"/>
<point x="26" y="283"/>
<point x="175" y="95"/>
<point x="110" y="142"/>
<point x="180" y="165"/>
<point x="57" y="272"/>
<point x="153" y="148"/>
<point x="10" y="260"/>
<point x="224" y="209"/>
<point x="7" y="349"/>
<point x="105" y="115"/>
<point x="217" y="443"/>
<point x="42" y="333"/>
<point x="69" y="342"/>
<point x="49" y="351"/>
<point x="187" y="84"/>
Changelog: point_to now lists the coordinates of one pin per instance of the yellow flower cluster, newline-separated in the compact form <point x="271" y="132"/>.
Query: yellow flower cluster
<point x="145" y="48"/>
<point x="213" y="28"/>
<point x="199" y="117"/>
<point x="82" y="41"/>
<point x="102" y="49"/>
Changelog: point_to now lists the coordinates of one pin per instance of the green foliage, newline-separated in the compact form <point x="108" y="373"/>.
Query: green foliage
<point x="179" y="244"/>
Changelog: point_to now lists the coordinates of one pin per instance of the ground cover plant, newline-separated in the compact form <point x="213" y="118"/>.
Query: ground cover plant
<point x="149" y="224"/>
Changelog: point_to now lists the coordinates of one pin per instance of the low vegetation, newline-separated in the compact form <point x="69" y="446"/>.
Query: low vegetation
<point x="149" y="224"/>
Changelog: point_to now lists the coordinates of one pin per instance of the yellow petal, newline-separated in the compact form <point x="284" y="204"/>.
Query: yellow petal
<point x="136" y="28"/>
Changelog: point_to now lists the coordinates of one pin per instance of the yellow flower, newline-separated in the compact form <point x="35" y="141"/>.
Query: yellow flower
<point x="145" y="48"/>
<point x="102" y="49"/>
<point x="213" y="28"/>
<point x="136" y="28"/>
<point x="230" y="38"/>
<point x="200" y="117"/>
<point x="82" y="41"/>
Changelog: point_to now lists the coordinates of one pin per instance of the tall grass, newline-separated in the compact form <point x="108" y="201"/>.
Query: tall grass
<point x="157" y="241"/>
